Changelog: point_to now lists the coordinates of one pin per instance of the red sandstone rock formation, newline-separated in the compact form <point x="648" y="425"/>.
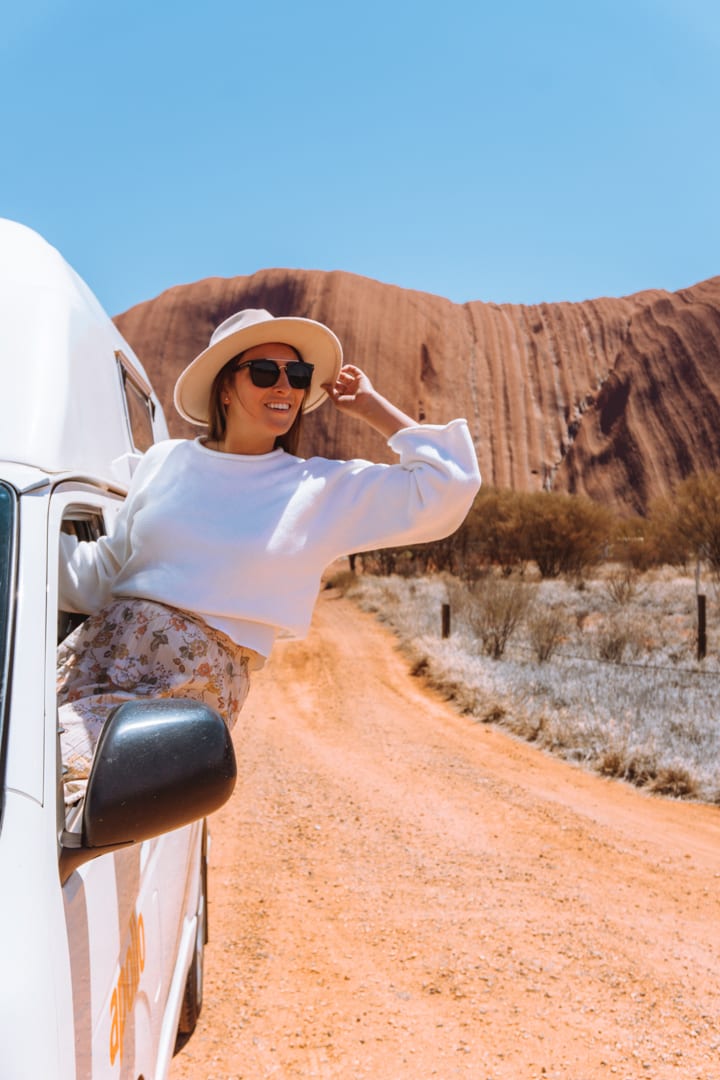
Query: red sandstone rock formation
<point x="614" y="398"/>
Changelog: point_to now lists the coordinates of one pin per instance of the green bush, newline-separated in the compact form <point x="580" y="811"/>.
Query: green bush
<point x="697" y="515"/>
<point x="564" y="534"/>
<point x="667" y="544"/>
<point x="494" y="529"/>
<point x="567" y="535"/>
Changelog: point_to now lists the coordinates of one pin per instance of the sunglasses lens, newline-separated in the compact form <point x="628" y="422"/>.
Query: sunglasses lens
<point x="299" y="374"/>
<point x="265" y="373"/>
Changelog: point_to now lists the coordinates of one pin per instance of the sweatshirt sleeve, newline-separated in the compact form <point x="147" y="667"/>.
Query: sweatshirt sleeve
<point x="426" y="496"/>
<point x="89" y="568"/>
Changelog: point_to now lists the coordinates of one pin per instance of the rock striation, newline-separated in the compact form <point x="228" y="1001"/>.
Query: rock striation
<point x="617" y="399"/>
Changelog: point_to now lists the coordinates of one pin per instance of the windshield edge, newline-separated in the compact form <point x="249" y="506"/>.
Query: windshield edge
<point x="8" y="577"/>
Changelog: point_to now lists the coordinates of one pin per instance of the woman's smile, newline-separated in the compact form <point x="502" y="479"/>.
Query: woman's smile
<point x="257" y="415"/>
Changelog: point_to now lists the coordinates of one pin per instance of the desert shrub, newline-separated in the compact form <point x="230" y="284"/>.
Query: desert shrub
<point x="666" y="544"/>
<point x="646" y="769"/>
<point x="546" y="628"/>
<point x="622" y="762"/>
<point x="674" y="780"/>
<point x="648" y="721"/>
<point x="644" y="543"/>
<point x="564" y="534"/>
<point x="630" y="544"/>
<point x="697" y="516"/>
<point x="611" y="645"/>
<point x="621" y="583"/>
<point x="611" y="762"/>
<point x="494" y="528"/>
<point x="458" y="553"/>
<point x="452" y="554"/>
<point x="616" y="639"/>
<point x="381" y="562"/>
<point x="495" y="714"/>
<point x="640" y="770"/>
<point x="495" y="608"/>
<point x="385" y="562"/>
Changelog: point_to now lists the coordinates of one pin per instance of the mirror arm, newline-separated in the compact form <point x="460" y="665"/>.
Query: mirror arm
<point x="72" y="857"/>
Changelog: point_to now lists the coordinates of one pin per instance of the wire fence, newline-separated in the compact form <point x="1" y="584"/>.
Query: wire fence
<point x="558" y="654"/>
<point x="667" y="668"/>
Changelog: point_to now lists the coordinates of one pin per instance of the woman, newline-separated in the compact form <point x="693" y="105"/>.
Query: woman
<point x="222" y="540"/>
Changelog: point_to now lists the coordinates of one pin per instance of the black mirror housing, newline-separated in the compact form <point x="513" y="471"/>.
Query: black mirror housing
<point x="158" y="765"/>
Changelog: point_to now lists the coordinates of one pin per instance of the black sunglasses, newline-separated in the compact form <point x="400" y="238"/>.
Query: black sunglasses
<point x="266" y="373"/>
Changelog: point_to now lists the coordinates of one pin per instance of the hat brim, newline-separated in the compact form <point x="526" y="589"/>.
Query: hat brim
<point x="315" y="342"/>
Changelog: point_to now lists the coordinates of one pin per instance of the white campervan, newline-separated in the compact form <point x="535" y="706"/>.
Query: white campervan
<point x="103" y="919"/>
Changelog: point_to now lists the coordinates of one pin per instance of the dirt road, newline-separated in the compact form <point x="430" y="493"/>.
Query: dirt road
<point x="399" y="893"/>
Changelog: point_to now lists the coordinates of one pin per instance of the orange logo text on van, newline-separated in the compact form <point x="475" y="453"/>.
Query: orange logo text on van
<point x="125" y="990"/>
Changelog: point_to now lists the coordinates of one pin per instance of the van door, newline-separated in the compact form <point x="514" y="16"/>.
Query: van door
<point x="131" y="916"/>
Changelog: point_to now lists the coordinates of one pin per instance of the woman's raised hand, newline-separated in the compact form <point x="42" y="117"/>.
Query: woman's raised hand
<point x="354" y="394"/>
<point x="347" y="392"/>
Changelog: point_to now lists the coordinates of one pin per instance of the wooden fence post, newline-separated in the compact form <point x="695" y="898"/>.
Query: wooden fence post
<point x="702" y="632"/>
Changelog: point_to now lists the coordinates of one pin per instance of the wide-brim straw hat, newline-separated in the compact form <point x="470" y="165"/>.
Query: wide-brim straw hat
<point x="314" y="342"/>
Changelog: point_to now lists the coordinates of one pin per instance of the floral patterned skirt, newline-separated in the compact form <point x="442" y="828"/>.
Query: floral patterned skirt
<point x="139" y="649"/>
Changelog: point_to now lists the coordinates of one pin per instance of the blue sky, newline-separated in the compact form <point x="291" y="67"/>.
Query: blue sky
<point x="511" y="152"/>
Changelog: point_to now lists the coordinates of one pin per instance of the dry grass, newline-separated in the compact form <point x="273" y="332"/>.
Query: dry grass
<point x="603" y="674"/>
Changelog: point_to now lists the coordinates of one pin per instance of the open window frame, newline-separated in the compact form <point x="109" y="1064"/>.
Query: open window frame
<point x="138" y="403"/>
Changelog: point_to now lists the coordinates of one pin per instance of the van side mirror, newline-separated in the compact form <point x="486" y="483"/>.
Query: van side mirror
<point x="158" y="765"/>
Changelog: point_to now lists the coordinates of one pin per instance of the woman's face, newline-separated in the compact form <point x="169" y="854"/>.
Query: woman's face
<point x="260" y="414"/>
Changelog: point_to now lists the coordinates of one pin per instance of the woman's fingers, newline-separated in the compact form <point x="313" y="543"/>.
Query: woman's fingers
<point x="350" y="384"/>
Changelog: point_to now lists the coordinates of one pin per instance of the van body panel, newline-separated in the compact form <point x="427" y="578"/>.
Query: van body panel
<point x="23" y="477"/>
<point x="94" y="970"/>
<point x="36" y="1010"/>
<point x="63" y="399"/>
<point x="128" y="919"/>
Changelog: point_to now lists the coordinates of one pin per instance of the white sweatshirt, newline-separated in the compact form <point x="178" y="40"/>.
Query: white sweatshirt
<point x="242" y="540"/>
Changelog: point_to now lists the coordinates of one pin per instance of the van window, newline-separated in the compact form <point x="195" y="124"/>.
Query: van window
<point x="83" y="525"/>
<point x="7" y="584"/>
<point x="139" y="405"/>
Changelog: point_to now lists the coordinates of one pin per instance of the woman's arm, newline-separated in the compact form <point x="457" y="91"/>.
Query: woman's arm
<point x="353" y="394"/>
<point x="424" y="496"/>
<point x="89" y="568"/>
